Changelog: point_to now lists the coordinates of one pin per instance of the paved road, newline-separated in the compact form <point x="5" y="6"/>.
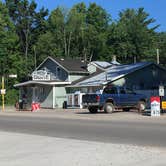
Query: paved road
<point x="116" y="131"/>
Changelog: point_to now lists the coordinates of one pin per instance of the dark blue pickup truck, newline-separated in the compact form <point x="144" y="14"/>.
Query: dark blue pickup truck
<point x="114" y="97"/>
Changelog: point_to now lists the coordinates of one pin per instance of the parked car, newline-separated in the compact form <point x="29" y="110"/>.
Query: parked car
<point x="114" y="97"/>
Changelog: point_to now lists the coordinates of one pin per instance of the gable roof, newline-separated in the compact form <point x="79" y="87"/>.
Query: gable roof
<point x="111" y="74"/>
<point x="70" y="65"/>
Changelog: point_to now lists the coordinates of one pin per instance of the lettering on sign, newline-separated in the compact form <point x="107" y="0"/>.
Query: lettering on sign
<point x="41" y="75"/>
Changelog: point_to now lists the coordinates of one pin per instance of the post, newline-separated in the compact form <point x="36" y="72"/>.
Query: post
<point x="158" y="56"/>
<point x="3" y="95"/>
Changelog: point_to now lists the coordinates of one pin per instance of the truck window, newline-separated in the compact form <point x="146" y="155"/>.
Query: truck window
<point x="111" y="90"/>
<point x="122" y="91"/>
<point x="129" y="91"/>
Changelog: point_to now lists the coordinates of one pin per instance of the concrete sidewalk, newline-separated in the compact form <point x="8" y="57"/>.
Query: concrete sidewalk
<point x="32" y="150"/>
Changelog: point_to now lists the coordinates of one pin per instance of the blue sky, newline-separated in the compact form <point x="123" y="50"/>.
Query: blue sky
<point x="156" y="8"/>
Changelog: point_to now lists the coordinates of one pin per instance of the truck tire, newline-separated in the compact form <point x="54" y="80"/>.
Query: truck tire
<point x="108" y="108"/>
<point x="141" y="106"/>
<point x="92" y="110"/>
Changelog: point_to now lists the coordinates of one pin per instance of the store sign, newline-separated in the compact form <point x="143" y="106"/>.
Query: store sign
<point x="164" y="105"/>
<point x="41" y="75"/>
<point x="155" y="106"/>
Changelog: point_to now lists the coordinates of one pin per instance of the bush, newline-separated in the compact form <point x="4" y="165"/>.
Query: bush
<point x="11" y="96"/>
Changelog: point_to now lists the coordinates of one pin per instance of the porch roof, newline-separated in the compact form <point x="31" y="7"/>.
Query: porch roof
<point x="42" y="83"/>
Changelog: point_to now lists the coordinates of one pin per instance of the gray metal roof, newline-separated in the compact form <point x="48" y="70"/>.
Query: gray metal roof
<point x="102" y="64"/>
<point x="111" y="74"/>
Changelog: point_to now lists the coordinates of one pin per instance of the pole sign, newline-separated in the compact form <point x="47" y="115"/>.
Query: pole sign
<point x="155" y="106"/>
<point x="3" y="91"/>
<point x="161" y="90"/>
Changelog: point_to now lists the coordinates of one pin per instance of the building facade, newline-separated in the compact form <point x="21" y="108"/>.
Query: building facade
<point x="49" y="80"/>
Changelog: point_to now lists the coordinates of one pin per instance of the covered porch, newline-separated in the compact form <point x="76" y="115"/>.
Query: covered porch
<point x="50" y="94"/>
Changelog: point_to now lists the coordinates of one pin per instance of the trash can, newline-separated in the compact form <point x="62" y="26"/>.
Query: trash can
<point x="20" y="105"/>
<point x="64" y="105"/>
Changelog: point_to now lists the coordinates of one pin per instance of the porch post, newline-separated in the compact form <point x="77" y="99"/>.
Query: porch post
<point x="53" y="96"/>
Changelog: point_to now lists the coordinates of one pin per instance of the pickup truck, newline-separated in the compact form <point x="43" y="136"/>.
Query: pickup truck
<point x="114" y="97"/>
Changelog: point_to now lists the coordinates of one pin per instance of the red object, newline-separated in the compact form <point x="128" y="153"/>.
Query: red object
<point x="35" y="106"/>
<point x="155" y="98"/>
<point x="98" y="98"/>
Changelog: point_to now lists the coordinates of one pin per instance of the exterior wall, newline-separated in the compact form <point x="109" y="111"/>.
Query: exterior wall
<point x="45" y="96"/>
<point x="54" y="69"/>
<point x="91" y="68"/>
<point x="60" y="96"/>
<point x="148" y="78"/>
<point x="74" y="77"/>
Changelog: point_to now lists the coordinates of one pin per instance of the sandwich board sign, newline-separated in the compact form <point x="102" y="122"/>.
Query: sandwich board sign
<point x="155" y="106"/>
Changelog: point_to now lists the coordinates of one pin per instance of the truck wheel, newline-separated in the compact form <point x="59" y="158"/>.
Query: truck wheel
<point x="92" y="110"/>
<point x="141" y="106"/>
<point x="108" y="108"/>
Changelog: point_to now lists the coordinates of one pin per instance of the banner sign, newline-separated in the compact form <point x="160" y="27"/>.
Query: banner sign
<point x="155" y="106"/>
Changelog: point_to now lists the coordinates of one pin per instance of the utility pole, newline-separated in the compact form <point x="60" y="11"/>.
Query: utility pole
<point x="3" y="90"/>
<point x="35" y="55"/>
<point x="158" y="56"/>
<point x="3" y="93"/>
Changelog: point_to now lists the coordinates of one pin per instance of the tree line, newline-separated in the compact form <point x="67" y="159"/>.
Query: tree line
<point x="28" y="36"/>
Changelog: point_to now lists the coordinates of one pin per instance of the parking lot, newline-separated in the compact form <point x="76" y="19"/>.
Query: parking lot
<point x="118" y="115"/>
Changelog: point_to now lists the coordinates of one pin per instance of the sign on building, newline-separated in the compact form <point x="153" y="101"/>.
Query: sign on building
<point x="155" y="106"/>
<point x="40" y="75"/>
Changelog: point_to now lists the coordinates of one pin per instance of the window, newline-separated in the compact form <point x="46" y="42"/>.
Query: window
<point x="122" y="91"/>
<point x="58" y="72"/>
<point x="129" y="91"/>
<point x="110" y="90"/>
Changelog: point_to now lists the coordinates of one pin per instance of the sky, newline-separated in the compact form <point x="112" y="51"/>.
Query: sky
<point x="155" y="8"/>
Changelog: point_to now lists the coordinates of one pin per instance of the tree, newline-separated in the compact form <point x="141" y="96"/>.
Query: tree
<point x="28" y="22"/>
<point x="9" y="41"/>
<point x="97" y="21"/>
<point x="65" y="32"/>
<point x="10" y="59"/>
<point x="161" y="45"/>
<point x="131" y="36"/>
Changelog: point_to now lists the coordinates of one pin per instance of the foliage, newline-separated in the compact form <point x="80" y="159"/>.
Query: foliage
<point x="130" y="37"/>
<point x="28" y="35"/>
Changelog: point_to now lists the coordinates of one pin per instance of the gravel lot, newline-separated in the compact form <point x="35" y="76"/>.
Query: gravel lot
<point x="24" y="149"/>
<point x="31" y="150"/>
